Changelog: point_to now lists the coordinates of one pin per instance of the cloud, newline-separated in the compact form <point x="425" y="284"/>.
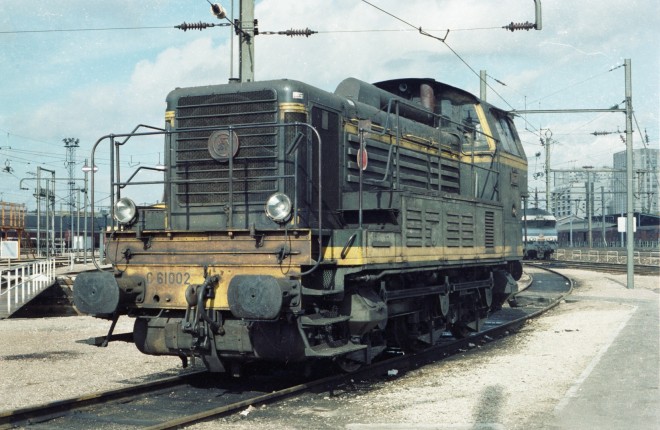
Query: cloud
<point x="199" y="62"/>
<point x="90" y="84"/>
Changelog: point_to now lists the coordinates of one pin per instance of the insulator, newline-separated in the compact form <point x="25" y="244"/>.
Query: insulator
<point x="306" y="32"/>
<point x="194" y="26"/>
<point x="520" y="26"/>
<point x="218" y="11"/>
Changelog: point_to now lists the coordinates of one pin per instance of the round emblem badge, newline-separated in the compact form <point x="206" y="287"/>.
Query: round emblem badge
<point x="219" y="146"/>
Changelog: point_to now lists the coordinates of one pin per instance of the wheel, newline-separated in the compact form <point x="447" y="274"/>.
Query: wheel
<point x="400" y="335"/>
<point x="459" y="331"/>
<point x="347" y="365"/>
<point x="516" y="270"/>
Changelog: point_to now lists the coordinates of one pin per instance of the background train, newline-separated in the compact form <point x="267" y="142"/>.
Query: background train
<point x="299" y="224"/>
<point x="539" y="234"/>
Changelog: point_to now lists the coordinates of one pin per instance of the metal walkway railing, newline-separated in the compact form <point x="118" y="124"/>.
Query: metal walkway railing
<point x="23" y="282"/>
<point x="604" y="255"/>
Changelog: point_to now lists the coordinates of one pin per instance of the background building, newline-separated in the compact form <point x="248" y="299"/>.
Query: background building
<point x="587" y="202"/>
<point x="581" y="193"/>
<point x="645" y="167"/>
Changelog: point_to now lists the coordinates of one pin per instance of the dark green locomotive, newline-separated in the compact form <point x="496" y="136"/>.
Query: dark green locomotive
<point x="299" y="224"/>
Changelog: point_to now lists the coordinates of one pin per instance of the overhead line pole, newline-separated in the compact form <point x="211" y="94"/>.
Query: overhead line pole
<point x="630" y="234"/>
<point x="71" y="144"/>
<point x="246" y="37"/>
<point x="482" y="84"/>
<point x="246" y="28"/>
<point x="50" y="211"/>
<point x="548" y="203"/>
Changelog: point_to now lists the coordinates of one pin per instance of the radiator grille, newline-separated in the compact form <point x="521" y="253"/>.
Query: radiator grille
<point x="489" y="230"/>
<point x="203" y="180"/>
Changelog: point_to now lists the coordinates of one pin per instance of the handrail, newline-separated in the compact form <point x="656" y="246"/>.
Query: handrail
<point x="116" y="184"/>
<point x="607" y="256"/>
<point x="24" y="281"/>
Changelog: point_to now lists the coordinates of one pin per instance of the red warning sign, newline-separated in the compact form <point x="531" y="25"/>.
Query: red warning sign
<point x="362" y="158"/>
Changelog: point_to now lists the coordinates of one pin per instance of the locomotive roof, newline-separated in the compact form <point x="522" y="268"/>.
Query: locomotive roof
<point x="538" y="214"/>
<point x="394" y="86"/>
<point x="377" y="94"/>
<point x="537" y="211"/>
<point x="407" y="89"/>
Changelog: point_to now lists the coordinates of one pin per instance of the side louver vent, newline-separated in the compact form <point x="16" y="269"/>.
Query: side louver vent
<point x="460" y="230"/>
<point x="489" y="230"/>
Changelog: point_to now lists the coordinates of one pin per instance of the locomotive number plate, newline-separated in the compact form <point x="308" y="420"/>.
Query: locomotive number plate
<point x="168" y="278"/>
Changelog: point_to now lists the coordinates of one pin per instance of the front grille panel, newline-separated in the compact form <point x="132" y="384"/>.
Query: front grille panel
<point x="202" y="180"/>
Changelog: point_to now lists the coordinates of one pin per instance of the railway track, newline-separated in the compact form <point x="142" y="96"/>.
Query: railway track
<point x="184" y="400"/>
<point x="639" y="269"/>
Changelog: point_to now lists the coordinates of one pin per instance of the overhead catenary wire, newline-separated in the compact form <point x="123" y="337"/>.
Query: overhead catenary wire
<point x="191" y="26"/>
<point x="410" y="25"/>
<point x="573" y="85"/>
<point x="642" y="136"/>
<point x="453" y="51"/>
<point x="307" y="32"/>
<point x="444" y="41"/>
<point x="406" y="30"/>
<point x="18" y="156"/>
<point x="71" y="30"/>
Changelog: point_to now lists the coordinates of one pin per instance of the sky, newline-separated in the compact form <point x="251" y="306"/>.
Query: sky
<point x="84" y="69"/>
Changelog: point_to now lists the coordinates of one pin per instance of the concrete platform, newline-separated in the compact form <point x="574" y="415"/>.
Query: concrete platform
<point x="619" y="389"/>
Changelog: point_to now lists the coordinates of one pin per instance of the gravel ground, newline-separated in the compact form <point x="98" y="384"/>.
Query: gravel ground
<point x="514" y="384"/>
<point x="43" y="360"/>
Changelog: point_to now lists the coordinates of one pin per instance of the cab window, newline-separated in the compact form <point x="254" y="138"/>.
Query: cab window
<point x="506" y="134"/>
<point x="475" y="139"/>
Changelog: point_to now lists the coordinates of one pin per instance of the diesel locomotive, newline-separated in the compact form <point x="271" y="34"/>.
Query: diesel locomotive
<point x="298" y="224"/>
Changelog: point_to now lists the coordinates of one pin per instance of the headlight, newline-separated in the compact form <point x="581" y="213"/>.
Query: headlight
<point x="278" y="208"/>
<point x="125" y="210"/>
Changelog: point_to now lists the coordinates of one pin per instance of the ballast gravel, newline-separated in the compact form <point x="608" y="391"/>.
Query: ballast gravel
<point x="515" y="383"/>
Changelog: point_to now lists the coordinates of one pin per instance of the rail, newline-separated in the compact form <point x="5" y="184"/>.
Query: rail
<point x="650" y="258"/>
<point x="23" y="282"/>
<point x="224" y="396"/>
